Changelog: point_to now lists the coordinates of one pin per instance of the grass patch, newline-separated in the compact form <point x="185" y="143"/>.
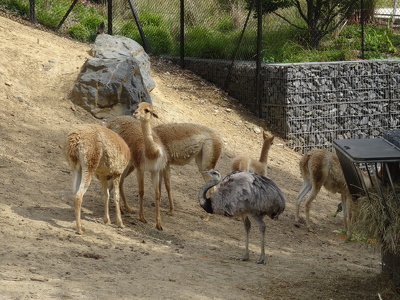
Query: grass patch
<point x="213" y="31"/>
<point x="378" y="219"/>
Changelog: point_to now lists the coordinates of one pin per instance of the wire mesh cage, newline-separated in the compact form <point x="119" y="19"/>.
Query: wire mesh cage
<point x="313" y="104"/>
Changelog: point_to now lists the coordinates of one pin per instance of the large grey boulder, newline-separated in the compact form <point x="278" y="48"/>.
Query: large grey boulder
<point x="128" y="47"/>
<point x="112" y="82"/>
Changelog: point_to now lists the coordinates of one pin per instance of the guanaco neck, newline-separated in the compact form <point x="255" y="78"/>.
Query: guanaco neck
<point x="264" y="151"/>
<point x="152" y="149"/>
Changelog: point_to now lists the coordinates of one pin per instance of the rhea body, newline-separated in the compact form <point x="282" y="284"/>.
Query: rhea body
<point x="244" y="194"/>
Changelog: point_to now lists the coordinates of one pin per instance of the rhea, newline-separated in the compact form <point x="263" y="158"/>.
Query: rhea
<point x="243" y="194"/>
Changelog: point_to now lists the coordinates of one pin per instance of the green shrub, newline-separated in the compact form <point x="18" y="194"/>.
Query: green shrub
<point x="20" y="7"/>
<point x="51" y="15"/>
<point x="201" y="41"/>
<point x="129" y="29"/>
<point x="279" y="46"/>
<point x="217" y="37"/>
<point x="248" y="44"/>
<point x="379" y="41"/>
<point x="48" y="19"/>
<point x="159" y="40"/>
<point x="151" y="19"/>
<point x="91" y="20"/>
<point x="79" y="32"/>
<point x="204" y="42"/>
<point x="225" y="23"/>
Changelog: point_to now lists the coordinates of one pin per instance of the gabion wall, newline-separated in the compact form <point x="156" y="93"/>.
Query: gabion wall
<point x="311" y="104"/>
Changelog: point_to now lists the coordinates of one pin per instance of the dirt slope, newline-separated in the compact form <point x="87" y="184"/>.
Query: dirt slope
<point x="43" y="258"/>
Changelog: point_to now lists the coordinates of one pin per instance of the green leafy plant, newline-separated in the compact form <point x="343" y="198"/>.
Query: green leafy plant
<point x="79" y="32"/>
<point x="19" y="7"/>
<point x="91" y="21"/>
<point x="151" y="19"/>
<point x="159" y="39"/>
<point x="214" y="31"/>
<point x="50" y="13"/>
<point x="204" y="42"/>
<point x="129" y="29"/>
<point x="225" y="23"/>
<point x="356" y="237"/>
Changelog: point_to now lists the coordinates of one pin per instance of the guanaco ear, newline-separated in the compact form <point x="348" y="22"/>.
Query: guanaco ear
<point x="154" y="115"/>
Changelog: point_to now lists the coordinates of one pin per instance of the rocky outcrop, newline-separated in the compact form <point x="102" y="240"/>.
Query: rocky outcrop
<point x="115" y="79"/>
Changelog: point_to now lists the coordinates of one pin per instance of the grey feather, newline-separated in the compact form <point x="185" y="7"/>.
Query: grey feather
<point x="244" y="194"/>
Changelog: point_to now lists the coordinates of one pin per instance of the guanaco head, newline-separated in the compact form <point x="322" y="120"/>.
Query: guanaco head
<point x="144" y="112"/>
<point x="267" y="137"/>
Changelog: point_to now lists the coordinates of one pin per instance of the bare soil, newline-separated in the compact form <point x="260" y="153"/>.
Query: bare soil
<point x="42" y="257"/>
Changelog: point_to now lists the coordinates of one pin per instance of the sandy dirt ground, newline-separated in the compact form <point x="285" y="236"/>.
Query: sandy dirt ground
<point x="42" y="257"/>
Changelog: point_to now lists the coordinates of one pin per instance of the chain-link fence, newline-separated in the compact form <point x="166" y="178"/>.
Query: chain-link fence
<point x="216" y="29"/>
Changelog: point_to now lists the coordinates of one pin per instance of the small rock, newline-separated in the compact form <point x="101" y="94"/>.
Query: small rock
<point x="39" y="278"/>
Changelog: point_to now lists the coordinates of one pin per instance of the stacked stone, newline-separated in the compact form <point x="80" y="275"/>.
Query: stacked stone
<point x="328" y="101"/>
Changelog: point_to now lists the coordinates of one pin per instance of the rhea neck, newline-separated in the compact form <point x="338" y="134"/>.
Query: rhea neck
<point x="205" y="202"/>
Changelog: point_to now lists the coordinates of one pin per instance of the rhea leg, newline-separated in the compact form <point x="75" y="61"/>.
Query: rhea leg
<point x="261" y="226"/>
<point x="247" y="227"/>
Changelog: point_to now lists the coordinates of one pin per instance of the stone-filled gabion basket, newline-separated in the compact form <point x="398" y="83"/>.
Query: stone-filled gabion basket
<point x="311" y="104"/>
<point x="314" y="103"/>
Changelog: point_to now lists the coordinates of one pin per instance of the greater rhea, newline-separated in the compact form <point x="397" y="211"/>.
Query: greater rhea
<point x="243" y="194"/>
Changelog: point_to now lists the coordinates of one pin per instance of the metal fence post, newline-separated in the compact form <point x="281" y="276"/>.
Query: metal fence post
<point x="362" y="30"/>
<point x="139" y="26"/>
<point x="258" y="63"/>
<point x="182" y="34"/>
<point x="394" y="12"/>
<point x="66" y="14"/>
<point x="32" y="17"/>
<point x="109" y="16"/>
